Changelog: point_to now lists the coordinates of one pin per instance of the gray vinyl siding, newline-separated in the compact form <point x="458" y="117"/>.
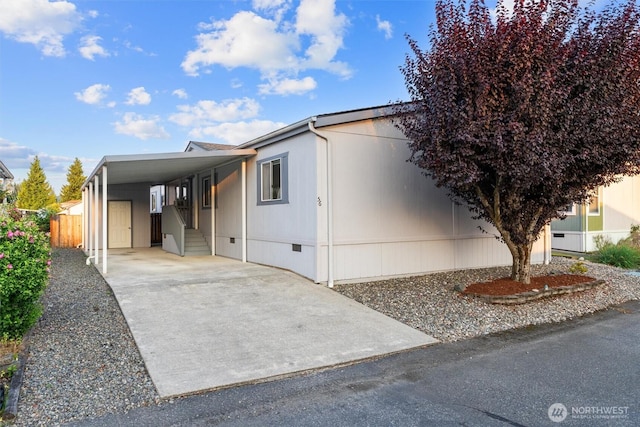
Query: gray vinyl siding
<point x="389" y="219"/>
<point x="273" y="229"/>
<point x="138" y="194"/>
<point x="228" y="214"/>
<point x="570" y="222"/>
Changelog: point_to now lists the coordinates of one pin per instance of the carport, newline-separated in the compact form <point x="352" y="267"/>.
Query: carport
<point x="151" y="169"/>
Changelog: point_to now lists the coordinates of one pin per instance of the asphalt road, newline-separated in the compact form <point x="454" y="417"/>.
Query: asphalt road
<point x="584" y="372"/>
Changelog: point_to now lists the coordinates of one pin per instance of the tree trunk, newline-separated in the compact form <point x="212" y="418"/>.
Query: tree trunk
<point x="521" y="268"/>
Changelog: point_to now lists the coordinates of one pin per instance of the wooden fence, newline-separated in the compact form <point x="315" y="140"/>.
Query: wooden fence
<point x="66" y="231"/>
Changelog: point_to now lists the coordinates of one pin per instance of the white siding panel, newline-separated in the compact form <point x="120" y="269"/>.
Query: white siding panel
<point x="282" y="255"/>
<point x="622" y="204"/>
<point x="572" y="241"/>
<point x="229" y="211"/>
<point x="388" y="218"/>
<point x="273" y="228"/>
<point x="224" y="247"/>
<point x="138" y="194"/>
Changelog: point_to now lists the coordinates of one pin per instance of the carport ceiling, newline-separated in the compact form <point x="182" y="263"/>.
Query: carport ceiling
<point x="164" y="167"/>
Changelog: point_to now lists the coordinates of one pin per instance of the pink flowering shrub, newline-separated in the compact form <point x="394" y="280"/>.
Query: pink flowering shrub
<point x="25" y="258"/>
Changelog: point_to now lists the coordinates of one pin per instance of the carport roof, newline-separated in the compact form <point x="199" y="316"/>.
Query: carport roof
<point x="160" y="168"/>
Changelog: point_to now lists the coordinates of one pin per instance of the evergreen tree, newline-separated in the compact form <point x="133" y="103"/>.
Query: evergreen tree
<point x="35" y="192"/>
<point x="72" y="190"/>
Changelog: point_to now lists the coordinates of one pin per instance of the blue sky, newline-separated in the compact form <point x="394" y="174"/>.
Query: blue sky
<point x="92" y="78"/>
<point x="89" y="78"/>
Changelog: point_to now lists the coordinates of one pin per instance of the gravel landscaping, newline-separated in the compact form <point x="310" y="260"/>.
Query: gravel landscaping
<point x="430" y="303"/>
<point x="83" y="363"/>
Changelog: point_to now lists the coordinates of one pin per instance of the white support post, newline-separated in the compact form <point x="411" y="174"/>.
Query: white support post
<point x="212" y="189"/>
<point x="89" y="219"/>
<point x="96" y="191"/>
<point x="104" y="220"/>
<point x="195" y="200"/>
<point x="244" y="210"/>
<point x="84" y="217"/>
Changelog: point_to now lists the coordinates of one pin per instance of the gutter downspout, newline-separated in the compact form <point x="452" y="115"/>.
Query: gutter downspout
<point x="547" y="244"/>
<point x="586" y="226"/>
<point x="329" y="203"/>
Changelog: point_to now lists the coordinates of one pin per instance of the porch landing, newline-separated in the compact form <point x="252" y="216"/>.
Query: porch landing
<point x="206" y="322"/>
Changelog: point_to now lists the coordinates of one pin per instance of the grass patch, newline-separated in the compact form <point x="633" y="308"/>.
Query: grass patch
<point x="622" y="256"/>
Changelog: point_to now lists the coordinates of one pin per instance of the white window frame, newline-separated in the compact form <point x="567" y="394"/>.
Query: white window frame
<point x="265" y="170"/>
<point x="597" y="198"/>
<point x="571" y="211"/>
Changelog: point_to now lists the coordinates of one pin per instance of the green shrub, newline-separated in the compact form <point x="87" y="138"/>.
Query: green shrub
<point x="42" y="217"/>
<point x="578" y="268"/>
<point x="24" y="273"/>
<point x="602" y="241"/>
<point x="619" y="255"/>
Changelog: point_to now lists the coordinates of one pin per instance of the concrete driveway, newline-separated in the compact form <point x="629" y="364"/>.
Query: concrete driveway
<point x="203" y="323"/>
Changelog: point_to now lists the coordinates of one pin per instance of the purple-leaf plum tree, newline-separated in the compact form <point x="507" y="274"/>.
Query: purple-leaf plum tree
<point x="521" y="112"/>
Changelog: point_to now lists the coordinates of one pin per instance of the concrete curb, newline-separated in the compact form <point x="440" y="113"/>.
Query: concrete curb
<point x="11" y="409"/>
<point x="524" y="297"/>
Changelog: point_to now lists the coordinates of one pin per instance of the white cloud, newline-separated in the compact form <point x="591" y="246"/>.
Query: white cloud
<point x="246" y="40"/>
<point x="232" y="120"/>
<point x="94" y="94"/>
<point x="18" y="159"/>
<point x="288" y="86"/>
<point x="141" y="127"/>
<point x="236" y="133"/>
<point x="206" y="112"/>
<point x="385" y="27"/>
<point x="275" y="8"/>
<point x="180" y="93"/>
<point x="317" y="18"/>
<point x="39" y="22"/>
<point x="270" y="4"/>
<point x="90" y="47"/>
<point x="278" y="48"/>
<point x="15" y="156"/>
<point x="138" y="96"/>
<point x="127" y="44"/>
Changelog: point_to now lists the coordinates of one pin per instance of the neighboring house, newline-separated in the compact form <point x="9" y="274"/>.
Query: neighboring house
<point x="331" y="198"/>
<point x="609" y="214"/>
<point x="6" y="182"/>
<point x="71" y="207"/>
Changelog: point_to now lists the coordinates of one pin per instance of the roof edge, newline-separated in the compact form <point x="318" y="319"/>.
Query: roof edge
<point x="320" y="121"/>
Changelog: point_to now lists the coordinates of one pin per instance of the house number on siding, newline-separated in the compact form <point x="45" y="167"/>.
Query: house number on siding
<point x="319" y="202"/>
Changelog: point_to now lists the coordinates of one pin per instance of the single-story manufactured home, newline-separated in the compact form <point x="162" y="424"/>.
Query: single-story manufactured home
<point x="331" y="197"/>
<point x="610" y="214"/>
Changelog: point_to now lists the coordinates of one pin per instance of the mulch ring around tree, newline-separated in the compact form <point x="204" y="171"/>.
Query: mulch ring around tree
<point x="508" y="291"/>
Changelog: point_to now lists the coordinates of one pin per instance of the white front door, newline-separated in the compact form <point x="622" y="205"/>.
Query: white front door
<point x="119" y="224"/>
